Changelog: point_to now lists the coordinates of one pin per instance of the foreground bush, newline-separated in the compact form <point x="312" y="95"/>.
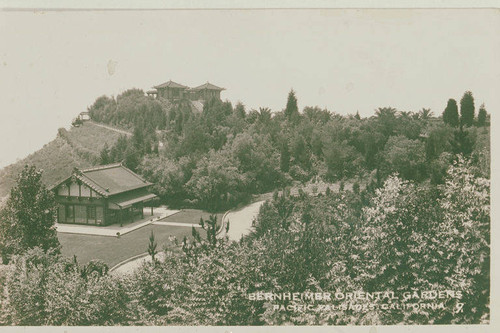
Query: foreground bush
<point x="45" y="289"/>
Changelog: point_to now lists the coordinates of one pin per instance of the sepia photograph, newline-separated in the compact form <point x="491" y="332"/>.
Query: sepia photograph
<point x="247" y="166"/>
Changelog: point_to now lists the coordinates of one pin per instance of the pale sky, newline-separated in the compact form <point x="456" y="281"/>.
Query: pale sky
<point x="53" y="65"/>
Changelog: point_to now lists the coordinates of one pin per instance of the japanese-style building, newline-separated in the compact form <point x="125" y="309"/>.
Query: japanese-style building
<point x="103" y="195"/>
<point x="169" y="90"/>
<point x="205" y="92"/>
<point x="174" y="91"/>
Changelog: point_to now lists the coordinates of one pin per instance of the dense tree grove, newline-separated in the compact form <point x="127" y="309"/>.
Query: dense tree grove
<point x="415" y="216"/>
<point x="220" y="156"/>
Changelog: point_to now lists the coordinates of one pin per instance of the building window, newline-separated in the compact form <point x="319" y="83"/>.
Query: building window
<point x="70" y="212"/>
<point x="91" y="213"/>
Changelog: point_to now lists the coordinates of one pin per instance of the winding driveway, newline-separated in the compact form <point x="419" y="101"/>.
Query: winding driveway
<point x="112" y="128"/>
<point x="240" y="221"/>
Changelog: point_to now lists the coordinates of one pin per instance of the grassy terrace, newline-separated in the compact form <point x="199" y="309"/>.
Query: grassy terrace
<point x="113" y="250"/>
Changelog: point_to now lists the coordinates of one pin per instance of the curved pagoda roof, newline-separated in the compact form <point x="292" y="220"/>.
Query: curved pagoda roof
<point x="171" y="84"/>
<point x="208" y="86"/>
<point x="108" y="180"/>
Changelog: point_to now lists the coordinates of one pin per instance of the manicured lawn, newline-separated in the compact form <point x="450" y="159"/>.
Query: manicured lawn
<point x="191" y="216"/>
<point x="113" y="250"/>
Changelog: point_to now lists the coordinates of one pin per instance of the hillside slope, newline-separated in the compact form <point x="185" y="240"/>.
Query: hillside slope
<point x="78" y="147"/>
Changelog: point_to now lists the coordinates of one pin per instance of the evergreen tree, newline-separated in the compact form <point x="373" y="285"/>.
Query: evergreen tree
<point x="104" y="156"/>
<point x="152" y="251"/>
<point x="138" y="138"/>
<point x="450" y="114"/>
<point x="132" y="158"/>
<point x="462" y="142"/>
<point x="210" y="226"/>
<point x="284" y="157"/>
<point x="292" y="110"/>
<point x="481" y="116"/>
<point x="28" y="218"/>
<point x="239" y="111"/>
<point x="467" y="109"/>
<point x="117" y="152"/>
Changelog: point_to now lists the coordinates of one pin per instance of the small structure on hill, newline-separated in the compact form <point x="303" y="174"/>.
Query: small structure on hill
<point x="175" y="91"/>
<point x="103" y="195"/>
<point x="84" y="116"/>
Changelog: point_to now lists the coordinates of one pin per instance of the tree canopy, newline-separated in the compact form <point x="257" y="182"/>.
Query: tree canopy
<point x="450" y="113"/>
<point x="28" y="218"/>
<point x="467" y="109"/>
<point x="481" y="116"/>
<point x="269" y="149"/>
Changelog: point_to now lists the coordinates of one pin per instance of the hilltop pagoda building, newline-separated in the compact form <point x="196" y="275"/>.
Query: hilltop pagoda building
<point x="170" y="90"/>
<point x="175" y="91"/>
<point x="205" y="92"/>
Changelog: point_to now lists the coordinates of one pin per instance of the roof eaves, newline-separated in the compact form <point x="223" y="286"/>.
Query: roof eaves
<point x="102" y="167"/>
<point x="129" y="189"/>
<point x="171" y="84"/>
<point x="83" y="179"/>
<point x="52" y="187"/>
<point x="208" y="86"/>
<point x="90" y="183"/>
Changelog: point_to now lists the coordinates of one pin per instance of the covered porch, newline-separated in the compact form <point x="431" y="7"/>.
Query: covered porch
<point x="130" y="207"/>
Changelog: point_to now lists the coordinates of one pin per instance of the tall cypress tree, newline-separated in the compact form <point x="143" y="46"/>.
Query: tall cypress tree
<point x="450" y="114"/>
<point x="292" y="110"/>
<point x="467" y="109"/>
<point x="481" y="116"/>
<point x="284" y="157"/>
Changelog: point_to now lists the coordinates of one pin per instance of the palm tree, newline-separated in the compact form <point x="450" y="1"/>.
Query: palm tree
<point x="387" y="112"/>
<point x="264" y="116"/>
<point x="425" y="114"/>
<point x="405" y="114"/>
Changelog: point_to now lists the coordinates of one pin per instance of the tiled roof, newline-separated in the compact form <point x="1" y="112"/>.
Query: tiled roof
<point x="170" y="84"/>
<point x="113" y="178"/>
<point x="108" y="180"/>
<point x="207" y="86"/>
